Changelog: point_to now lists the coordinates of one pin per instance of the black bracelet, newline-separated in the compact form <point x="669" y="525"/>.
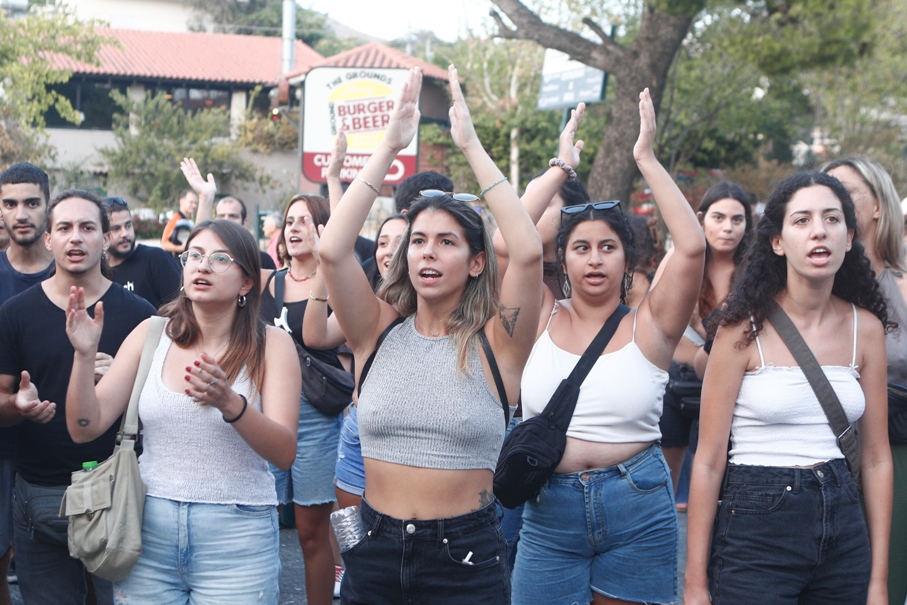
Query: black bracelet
<point x="245" y="404"/>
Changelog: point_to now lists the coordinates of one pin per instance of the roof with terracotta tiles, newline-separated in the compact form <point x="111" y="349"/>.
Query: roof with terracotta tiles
<point x="200" y="57"/>
<point x="377" y="55"/>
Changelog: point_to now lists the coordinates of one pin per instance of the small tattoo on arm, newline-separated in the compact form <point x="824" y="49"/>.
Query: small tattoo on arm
<point x="508" y="317"/>
<point x="83" y="421"/>
<point x="485" y="498"/>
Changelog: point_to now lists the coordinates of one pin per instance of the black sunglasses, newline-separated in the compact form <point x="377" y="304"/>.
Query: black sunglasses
<point x="594" y="205"/>
<point x="460" y="197"/>
<point x="115" y="202"/>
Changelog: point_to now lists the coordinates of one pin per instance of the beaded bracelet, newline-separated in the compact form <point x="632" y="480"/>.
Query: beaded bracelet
<point x="492" y="186"/>
<point x="571" y="173"/>
<point x="245" y="404"/>
<point x="367" y="184"/>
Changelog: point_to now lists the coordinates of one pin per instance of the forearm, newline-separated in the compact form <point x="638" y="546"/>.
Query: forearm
<point x="335" y="191"/>
<point x="83" y="415"/>
<point x="703" y="505"/>
<point x="269" y="439"/>
<point x="877" y="476"/>
<point x="9" y="413"/>
<point x="315" y="330"/>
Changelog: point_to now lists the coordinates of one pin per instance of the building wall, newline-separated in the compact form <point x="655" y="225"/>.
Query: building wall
<point x="150" y="15"/>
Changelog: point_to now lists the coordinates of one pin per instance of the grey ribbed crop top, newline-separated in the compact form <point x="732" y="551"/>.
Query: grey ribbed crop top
<point x="417" y="409"/>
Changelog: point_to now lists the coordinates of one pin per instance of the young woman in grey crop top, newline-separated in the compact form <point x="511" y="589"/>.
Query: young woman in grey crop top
<point x="789" y="526"/>
<point x="571" y="550"/>
<point x="433" y="534"/>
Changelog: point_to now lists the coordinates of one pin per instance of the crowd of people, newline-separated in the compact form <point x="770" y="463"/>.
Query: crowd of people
<point x="461" y="320"/>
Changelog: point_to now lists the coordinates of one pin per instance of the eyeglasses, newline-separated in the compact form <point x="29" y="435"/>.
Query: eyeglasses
<point x="460" y="197"/>
<point x="218" y="261"/>
<point x="594" y="205"/>
<point x="116" y="203"/>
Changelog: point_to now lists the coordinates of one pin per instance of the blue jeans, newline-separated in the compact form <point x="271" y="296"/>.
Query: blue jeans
<point x="790" y="536"/>
<point x="442" y="561"/>
<point x="211" y="554"/>
<point x="47" y="574"/>
<point x="350" y="471"/>
<point x="613" y="531"/>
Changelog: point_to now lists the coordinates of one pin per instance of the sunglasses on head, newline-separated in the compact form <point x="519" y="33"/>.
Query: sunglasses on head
<point x="115" y="203"/>
<point x="594" y="205"/>
<point x="460" y="197"/>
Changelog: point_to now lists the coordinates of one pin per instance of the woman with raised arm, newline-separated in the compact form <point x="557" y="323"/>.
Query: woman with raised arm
<point x="431" y="435"/>
<point x="789" y="528"/>
<point x="881" y="227"/>
<point x="571" y="549"/>
<point x="219" y="403"/>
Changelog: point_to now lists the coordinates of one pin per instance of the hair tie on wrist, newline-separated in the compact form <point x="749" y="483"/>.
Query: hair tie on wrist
<point x="367" y="184"/>
<point x="492" y="186"/>
<point x="313" y="297"/>
<point x="245" y="404"/>
<point x="571" y="173"/>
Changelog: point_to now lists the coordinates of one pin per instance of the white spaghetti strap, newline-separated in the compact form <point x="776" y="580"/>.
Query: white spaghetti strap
<point x="758" y="344"/>
<point x="553" y="311"/>
<point x="635" y="313"/>
<point x="853" y="362"/>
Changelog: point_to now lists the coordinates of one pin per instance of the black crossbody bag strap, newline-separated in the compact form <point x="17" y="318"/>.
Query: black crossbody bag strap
<point x="584" y="365"/>
<point x="280" y="279"/>
<point x="831" y="405"/>
<point x="496" y="373"/>
<point x="371" y="358"/>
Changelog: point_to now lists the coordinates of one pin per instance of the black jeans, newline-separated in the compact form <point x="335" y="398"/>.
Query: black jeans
<point x="790" y="536"/>
<point x="442" y="561"/>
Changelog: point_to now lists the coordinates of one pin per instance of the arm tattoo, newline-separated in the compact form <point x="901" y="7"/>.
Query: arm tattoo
<point x="508" y="317"/>
<point x="485" y="498"/>
<point x="83" y="421"/>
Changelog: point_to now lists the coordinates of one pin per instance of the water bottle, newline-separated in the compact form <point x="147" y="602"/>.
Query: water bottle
<point x="89" y="466"/>
<point x="348" y="527"/>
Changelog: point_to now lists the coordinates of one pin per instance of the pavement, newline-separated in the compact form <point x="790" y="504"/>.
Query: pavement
<point x="292" y="576"/>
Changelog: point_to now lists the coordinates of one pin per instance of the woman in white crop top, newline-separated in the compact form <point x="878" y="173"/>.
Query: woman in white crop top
<point x="219" y="403"/>
<point x="604" y="529"/>
<point x="789" y="528"/>
<point x="432" y="532"/>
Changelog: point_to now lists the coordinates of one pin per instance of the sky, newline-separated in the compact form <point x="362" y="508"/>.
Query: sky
<point x="392" y="19"/>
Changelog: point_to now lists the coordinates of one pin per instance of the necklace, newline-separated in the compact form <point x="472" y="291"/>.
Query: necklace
<point x="301" y="279"/>
<point x="216" y="353"/>
<point x="419" y="325"/>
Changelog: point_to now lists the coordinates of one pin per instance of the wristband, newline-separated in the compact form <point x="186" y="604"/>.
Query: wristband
<point x="313" y="297"/>
<point x="245" y="404"/>
<point x="571" y="173"/>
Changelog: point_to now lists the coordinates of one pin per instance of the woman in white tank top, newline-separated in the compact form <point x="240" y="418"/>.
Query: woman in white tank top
<point x="604" y="529"/>
<point x="219" y="403"/>
<point x="789" y="528"/>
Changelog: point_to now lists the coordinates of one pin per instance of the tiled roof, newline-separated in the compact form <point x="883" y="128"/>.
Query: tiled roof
<point x="202" y="57"/>
<point x="377" y="55"/>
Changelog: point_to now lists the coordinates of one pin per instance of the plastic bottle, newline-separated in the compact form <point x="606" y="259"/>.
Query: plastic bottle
<point x="348" y="527"/>
<point x="89" y="466"/>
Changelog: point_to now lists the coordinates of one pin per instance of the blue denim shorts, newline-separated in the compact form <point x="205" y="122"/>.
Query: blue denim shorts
<point x="441" y="561"/>
<point x="612" y="531"/>
<point x="350" y="472"/>
<point x="224" y="554"/>
<point x="789" y="536"/>
<point x="310" y="480"/>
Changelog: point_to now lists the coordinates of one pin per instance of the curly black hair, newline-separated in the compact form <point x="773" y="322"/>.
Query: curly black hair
<point x="763" y="275"/>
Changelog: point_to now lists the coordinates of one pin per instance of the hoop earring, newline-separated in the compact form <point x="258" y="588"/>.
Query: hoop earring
<point x="241" y="301"/>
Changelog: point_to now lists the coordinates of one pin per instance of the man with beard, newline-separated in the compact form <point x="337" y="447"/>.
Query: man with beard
<point x="147" y="271"/>
<point x="35" y="364"/>
<point x="24" y="192"/>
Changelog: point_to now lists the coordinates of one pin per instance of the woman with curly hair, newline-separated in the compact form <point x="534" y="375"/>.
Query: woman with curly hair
<point x="789" y="527"/>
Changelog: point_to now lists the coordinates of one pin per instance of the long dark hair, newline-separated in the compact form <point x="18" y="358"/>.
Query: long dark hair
<point x="246" y="348"/>
<point x="318" y="208"/>
<point x="619" y="223"/>
<point x="721" y="191"/>
<point x="763" y="275"/>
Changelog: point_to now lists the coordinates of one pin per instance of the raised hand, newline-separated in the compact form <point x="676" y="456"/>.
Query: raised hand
<point x="404" y="120"/>
<point x="568" y="151"/>
<point x="313" y="238"/>
<point x="193" y="175"/>
<point x="461" y="126"/>
<point x="643" y="149"/>
<point x="338" y="155"/>
<point x="83" y="331"/>
<point x="30" y="405"/>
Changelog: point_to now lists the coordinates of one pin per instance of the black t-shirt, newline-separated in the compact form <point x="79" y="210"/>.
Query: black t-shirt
<point x="266" y="261"/>
<point x="295" y="312"/>
<point x="33" y="333"/>
<point x="149" y="272"/>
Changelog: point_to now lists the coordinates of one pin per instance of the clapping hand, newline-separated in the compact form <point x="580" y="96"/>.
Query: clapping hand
<point x="404" y="119"/>
<point x="30" y="405"/>
<point x="461" y="126"/>
<point x="83" y="331"/>
<point x="338" y="155"/>
<point x="643" y="149"/>
<point x="568" y="151"/>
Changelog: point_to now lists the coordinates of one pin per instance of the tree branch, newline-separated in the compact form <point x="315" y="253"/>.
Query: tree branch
<point x="598" y="30"/>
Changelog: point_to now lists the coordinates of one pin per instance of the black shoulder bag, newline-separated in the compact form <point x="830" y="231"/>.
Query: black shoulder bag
<point x="535" y="447"/>
<point x="328" y="388"/>
<point x="845" y="432"/>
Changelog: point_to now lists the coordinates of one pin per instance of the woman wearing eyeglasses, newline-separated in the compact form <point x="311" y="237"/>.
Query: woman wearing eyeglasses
<point x="220" y="402"/>
<point x="603" y="529"/>
<point x="431" y="434"/>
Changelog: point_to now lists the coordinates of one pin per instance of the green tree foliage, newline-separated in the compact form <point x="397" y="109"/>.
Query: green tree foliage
<point x="153" y="135"/>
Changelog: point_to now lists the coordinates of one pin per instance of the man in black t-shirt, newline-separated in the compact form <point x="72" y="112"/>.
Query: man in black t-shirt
<point x="35" y="364"/>
<point x="144" y="270"/>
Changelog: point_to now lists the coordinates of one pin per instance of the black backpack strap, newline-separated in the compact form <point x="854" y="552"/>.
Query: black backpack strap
<point x="831" y="405"/>
<point x="371" y="358"/>
<point x="496" y="373"/>
<point x="280" y="280"/>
